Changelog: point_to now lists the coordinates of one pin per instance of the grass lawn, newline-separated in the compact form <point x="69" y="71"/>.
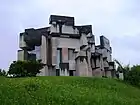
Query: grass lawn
<point x="66" y="91"/>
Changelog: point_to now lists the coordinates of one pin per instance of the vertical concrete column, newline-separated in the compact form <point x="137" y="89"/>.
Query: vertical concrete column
<point x="60" y="72"/>
<point x="43" y="54"/>
<point x="77" y="61"/>
<point x="89" y="63"/>
<point x="66" y="72"/>
<point x="81" y="67"/>
<point x="54" y="51"/>
<point x="22" y="55"/>
<point x="102" y="65"/>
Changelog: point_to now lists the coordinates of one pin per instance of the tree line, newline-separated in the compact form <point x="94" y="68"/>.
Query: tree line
<point x="27" y="68"/>
<point x="31" y="68"/>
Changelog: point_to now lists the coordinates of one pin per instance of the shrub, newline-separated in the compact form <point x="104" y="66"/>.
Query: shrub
<point x="25" y="68"/>
<point x="133" y="76"/>
<point x="2" y="72"/>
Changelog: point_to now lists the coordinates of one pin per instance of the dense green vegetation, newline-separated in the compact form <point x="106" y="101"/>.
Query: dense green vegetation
<point x="25" y="68"/>
<point x="131" y="74"/>
<point x="66" y="91"/>
<point x="2" y="72"/>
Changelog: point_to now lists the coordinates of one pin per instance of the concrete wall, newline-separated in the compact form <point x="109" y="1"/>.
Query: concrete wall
<point x="98" y="62"/>
<point x="65" y="29"/>
<point x="108" y="73"/>
<point x="97" y="72"/>
<point x="68" y="43"/>
<point x="81" y="67"/>
<point x="69" y="30"/>
<point x="83" y="40"/>
<point x="21" y="55"/>
<point x="104" y="52"/>
<point x="89" y="63"/>
<point x="72" y="65"/>
<point x="107" y="53"/>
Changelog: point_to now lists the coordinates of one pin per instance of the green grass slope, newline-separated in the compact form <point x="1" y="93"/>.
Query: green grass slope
<point x="66" y="91"/>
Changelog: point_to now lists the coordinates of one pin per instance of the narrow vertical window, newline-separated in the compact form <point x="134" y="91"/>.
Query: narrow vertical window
<point x="59" y="55"/>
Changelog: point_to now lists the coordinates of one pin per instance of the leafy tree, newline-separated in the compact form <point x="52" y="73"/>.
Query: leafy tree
<point x="25" y="68"/>
<point x="2" y="72"/>
<point x="133" y="76"/>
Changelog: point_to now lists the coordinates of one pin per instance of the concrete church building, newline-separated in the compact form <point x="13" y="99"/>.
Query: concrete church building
<point x="67" y="49"/>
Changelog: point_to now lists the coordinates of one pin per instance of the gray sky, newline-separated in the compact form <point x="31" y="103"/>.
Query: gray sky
<point x="119" y="20"/>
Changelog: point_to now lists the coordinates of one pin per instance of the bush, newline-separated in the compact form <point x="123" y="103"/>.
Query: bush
<point x="25" y="68"/>
<point x="2" y="72"/>
<point x="133" y="76"/>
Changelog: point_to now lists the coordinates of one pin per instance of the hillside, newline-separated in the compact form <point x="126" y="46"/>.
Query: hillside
<point x="66" y="91"/>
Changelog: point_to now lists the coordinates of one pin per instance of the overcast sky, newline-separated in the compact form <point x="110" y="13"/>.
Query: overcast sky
<point x="118" y="20"/>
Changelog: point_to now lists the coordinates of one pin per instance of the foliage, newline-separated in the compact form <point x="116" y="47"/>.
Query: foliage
<point x="25" y="68"/>
<point x="2" y="72"/>
<point x="131" y="74"/>
<point x="66" y="91"/>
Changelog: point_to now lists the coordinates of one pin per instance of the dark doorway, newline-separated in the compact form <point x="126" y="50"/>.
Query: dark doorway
<point x="71" y="72"/>
<point x="57" y="72"/>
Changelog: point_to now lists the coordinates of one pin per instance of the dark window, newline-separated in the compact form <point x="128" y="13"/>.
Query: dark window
<point x="71" y="72"/>
<point x="57" y="72"/>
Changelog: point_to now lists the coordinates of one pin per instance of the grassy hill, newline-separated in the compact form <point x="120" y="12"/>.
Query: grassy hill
<point x="66" y="91"/>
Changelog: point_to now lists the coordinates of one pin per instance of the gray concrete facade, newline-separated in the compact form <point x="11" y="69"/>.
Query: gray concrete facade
<point x="67" y="49"/>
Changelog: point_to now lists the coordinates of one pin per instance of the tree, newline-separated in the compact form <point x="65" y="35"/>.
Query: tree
<point x="2" y="72"/>
<point x="25" y="68"/>
<point x="133" y="76"/>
